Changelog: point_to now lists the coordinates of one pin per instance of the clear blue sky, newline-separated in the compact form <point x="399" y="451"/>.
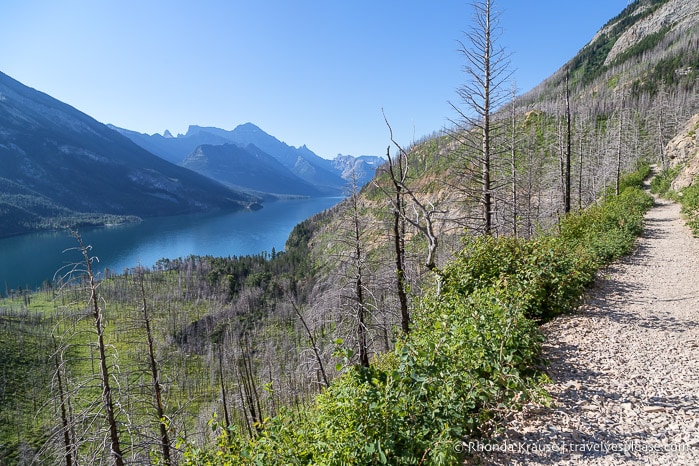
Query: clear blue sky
<point x="314" y="72"/>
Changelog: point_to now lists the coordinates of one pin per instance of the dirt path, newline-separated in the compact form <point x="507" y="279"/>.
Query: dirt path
<point x="625" y="367"/>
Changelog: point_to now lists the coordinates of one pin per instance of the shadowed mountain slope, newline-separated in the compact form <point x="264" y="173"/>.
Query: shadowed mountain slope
<point x="53" y="154"/>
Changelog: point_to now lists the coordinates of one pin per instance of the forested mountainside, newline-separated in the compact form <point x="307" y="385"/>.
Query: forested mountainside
<point x="391" y="327"/>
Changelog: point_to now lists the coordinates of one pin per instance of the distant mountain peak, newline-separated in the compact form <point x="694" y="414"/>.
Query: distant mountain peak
<point x="250" y="125"/>
<point x="325" y="176"/>
<point x="167" y="134"/>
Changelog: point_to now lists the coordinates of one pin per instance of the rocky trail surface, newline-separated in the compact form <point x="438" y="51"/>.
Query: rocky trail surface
<point x="625" y="367"/>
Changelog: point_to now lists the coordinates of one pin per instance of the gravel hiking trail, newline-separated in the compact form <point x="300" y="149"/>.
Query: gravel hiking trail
<point x="625" y="366"/>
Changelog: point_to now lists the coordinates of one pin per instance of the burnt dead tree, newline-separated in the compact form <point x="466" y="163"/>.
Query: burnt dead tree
<point x="107" y="395"/>
<point x="486" y="69"/>
<point x="155" y="377"/>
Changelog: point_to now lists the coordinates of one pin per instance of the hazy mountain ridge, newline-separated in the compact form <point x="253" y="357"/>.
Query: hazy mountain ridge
<point x="173" y="149"/>
<point x="328" y="177"/>
<point x="67" y="159"/>
<point x="247" y="168"/>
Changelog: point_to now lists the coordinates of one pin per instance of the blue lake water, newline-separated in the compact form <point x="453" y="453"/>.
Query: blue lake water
<point x="29" y="260"/>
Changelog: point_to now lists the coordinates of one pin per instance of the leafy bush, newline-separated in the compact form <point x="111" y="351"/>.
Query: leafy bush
<point x="690" y="206"/>
<point x="539" y="276"/>
<point x="636" y="178"/>
<point x="660" y="184"/>
<point x="471" y="354"/>
<point x="608" y="230"/>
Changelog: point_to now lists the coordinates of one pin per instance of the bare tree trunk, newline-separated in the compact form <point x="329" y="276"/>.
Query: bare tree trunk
<point x="398" y="176"/>
<point x="566" y="208"/>
<point x="248" y="382"/>
<point x="580" y="179"/>
<point x="661" y="145"/>
<point x="486" y="68"/>
<point x="107" y="401"/>
<point x="661" y="108"/>
<point x="485" y="135"/>
<point x="561" y="159"/>
<point x="222" y="381"/>
<point x="513" y="162"/>
<point x="399" y="243"/>
<point x="359" y="286"/>
<point x="68" y="441"/>
<point x="155" y="377"/>
<point x="314" y="345"/>
<point x="618" y="150"/>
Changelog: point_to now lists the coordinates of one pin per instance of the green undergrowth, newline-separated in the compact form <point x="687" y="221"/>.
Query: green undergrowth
<point x="471" y="354"/>
<point x="687" y="197"/>
<point x="660" y="184"/>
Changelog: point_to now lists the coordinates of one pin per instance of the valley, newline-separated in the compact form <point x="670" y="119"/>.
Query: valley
<point x="393" y="327"/>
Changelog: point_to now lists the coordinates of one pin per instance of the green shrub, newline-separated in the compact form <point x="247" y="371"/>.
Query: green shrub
<point x="608" y="231"/>
<point x="471" y="353"/>
<point x="660" y="184"/>
<point x="690" y="206"/>
<point x="635" y="179"/>
<point x="543" y="277"/>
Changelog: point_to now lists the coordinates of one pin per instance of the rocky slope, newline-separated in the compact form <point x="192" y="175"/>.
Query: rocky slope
<point x="676" y="15"/>
<point x="683" y="151"/>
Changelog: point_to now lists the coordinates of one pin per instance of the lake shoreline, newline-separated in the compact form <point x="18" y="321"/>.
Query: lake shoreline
<point x="32" y="259"/>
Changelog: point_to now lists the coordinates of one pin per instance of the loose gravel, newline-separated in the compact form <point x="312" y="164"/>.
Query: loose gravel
<point x="625" y="367"/>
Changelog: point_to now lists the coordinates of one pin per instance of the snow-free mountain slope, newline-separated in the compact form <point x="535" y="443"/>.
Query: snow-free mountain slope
<point x="60" y="156"/>
<point x="328" y="177"/>
<point x="247" y="168"/>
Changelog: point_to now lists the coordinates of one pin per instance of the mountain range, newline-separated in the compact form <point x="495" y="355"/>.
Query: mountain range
<point x="632" y="102"/>
<point x="298" y="171"/>
<point x="60" y="167"/>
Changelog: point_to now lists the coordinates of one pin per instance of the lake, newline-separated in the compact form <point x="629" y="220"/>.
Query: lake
<point x="28" y="260"/>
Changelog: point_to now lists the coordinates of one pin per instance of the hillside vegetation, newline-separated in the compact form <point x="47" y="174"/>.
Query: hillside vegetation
<point x="679" y="180"/>
<point x="391" y="329"/>
<point x="472" y="355"/>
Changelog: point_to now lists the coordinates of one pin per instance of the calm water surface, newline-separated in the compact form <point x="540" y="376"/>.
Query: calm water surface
<point x="29" y="260"/>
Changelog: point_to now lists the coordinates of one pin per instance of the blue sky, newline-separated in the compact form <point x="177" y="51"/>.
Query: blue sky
<point x="314" y="72"/>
